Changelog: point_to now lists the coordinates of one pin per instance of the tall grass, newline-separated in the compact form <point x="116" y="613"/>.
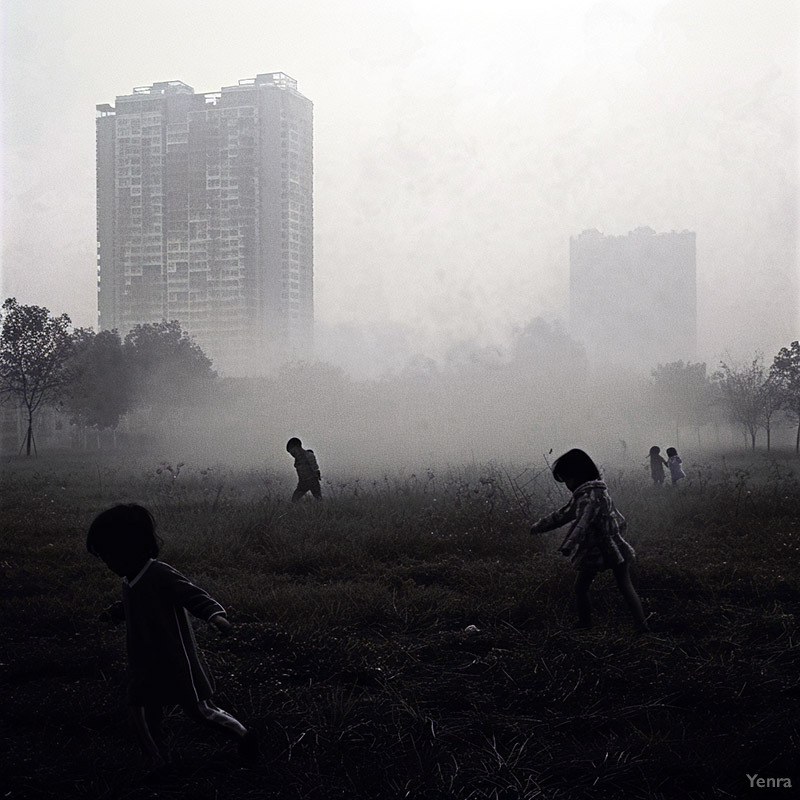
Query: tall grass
<point x="407" y="637"/>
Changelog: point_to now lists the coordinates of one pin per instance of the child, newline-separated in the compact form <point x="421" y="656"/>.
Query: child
<point x="164" y="665"/>
<point x="594" y="541"/>
<point x="657" y="464"/>
<point x="308" y="475"/>
<point x="674" y="463"/>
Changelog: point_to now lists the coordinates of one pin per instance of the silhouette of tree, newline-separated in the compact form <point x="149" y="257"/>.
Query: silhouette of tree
<point x="685" y="392"/>
<point x="540" y="345"/>
<point x="167" y="367"/>
<point x="744" y="392"/>
<point x="785" y="371"/>
<point x="98" y="391"/>
<point x="34" y="348"/>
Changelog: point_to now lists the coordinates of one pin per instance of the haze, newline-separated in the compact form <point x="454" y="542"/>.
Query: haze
<point x="458" y="146"/>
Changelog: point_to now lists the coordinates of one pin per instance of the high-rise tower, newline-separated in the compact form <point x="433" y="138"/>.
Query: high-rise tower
<point x="205" y="215"/>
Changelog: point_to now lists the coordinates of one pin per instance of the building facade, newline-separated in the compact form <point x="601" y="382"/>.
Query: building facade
<point x="633" y="299"/>
<point x="205" y="216"/>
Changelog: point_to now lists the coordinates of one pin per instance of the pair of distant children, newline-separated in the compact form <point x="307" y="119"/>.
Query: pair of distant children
<point x="164" y="664"/>
<point x="673" y="463"/>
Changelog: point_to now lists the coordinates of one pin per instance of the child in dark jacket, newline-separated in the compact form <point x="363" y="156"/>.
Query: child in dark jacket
<point x="657" y="464"/>
<point x="308" y="474"/>
<point x="594" y="541"/>
<point x="164" y="665"/>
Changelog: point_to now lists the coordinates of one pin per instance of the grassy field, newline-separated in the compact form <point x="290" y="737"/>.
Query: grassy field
<point x="352" y="653"/>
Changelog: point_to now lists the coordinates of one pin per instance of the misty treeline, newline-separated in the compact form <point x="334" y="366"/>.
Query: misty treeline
<point x="156" y="386"/>
<point x="95" y="379"/>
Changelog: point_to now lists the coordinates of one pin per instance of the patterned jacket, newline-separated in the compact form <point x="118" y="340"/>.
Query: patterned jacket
<point x="595" y="539"/>
<point x="675" y="469"/>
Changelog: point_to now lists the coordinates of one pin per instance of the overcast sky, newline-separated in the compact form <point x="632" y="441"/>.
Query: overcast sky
<point x="458" y="146"/>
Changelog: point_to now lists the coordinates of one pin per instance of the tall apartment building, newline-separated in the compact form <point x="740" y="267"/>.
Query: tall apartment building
<point x="205" y="215"/>
<point x="633" y="299"/>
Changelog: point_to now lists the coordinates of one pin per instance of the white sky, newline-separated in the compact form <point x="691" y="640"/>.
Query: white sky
<point x="458" y="146"/>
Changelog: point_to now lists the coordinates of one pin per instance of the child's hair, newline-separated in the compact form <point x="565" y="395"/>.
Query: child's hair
<point x="575" y="464"/>
<point x="671" y="451"/>
<point x="292" y="443"/>
<point x="655" y="450"/>
<point x="124" y="529"/>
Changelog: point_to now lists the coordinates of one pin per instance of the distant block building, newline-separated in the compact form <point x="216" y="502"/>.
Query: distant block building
<point x="205" y="215"/>
<point x="633" y="299"/>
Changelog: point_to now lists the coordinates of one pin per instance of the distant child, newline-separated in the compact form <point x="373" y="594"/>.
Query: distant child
<point x="164" y="665"/>
<point x="594" y="541"/>
<point x="657" y="464"/>
<point x="308" y="475"/>
<point x="674" y="463"/>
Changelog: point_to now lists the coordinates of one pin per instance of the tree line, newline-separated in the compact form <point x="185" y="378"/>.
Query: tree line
<point x="753" y="396"/>
<point x="98" y="379"/>
<point x="94" y="378"/>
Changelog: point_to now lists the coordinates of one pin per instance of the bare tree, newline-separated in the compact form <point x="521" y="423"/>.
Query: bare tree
<point x="785" y="371"/>
<point x="749" y="396"/>
<point x="684" y="391"/>
<point x="34" y="347"/>
<point x="771" y="403"/>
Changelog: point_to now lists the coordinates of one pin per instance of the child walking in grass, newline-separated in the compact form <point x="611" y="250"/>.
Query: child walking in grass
<point x="164" y="665"/>
<point x="674" y="463"/>
<point x="595" y="540"/>
<point x="308" y="474"/>
<point x="657" y="464"/>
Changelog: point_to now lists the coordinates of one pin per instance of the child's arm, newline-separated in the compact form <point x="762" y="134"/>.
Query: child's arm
<point x="195" y="600"/>
<point x="558" y="518"/>
<point x="312" y="462"/>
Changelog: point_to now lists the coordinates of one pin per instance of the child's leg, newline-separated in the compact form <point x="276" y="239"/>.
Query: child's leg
<point x="622" y="574"/>
<point x="584" y="605"/>
<point x="298" y="493"/>
<point x="147" y="720"/>
<point x="208" y="714"/>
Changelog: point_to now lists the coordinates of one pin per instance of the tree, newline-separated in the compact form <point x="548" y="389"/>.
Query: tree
<point x="167" y="367"/>
<point x="685" y="392"/>
<point x="742" y="390"/>
<point x="34" y="348"/>
<point x="785" y="371"/>
<point x="98" y="391"/>
<point x="771" y="401"/>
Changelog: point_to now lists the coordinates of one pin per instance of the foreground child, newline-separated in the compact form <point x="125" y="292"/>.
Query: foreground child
<point x="164" y="665"/>
<point x="594" y="541"/>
